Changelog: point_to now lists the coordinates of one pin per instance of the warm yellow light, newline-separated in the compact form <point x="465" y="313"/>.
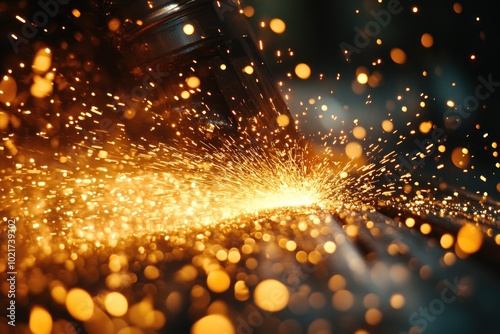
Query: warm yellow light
<point x="277" y="26"/>
<point x="116" y="304"/>
<point x="248" y="11"/>
<point x="330" y="247"/>
<point x="248" y="69"/>
<point x="40" y="321"/>
<point x="79" y="304"/>
<point x="241" y="291"/>
<point x="446" y="241"/>
<point x="427" y="40"/>
<point x="42" y="61"/>
<point x="343" y="300"/>
<point x="41" y="87"/>
<point x="387" y="126"/>
<point x="303" y="71"/>
<point x="354" y="150"/>
<point x="362" y="78"/>
<point x="8" y="89"/>
<point x="397" y="301"/>
<point x="337" y="282"/>
<point x="359" y="132"/>
<point x="425" y="228"/>
<point x="410" y="222"/>
<point x="271" y="295"/>
<point x="193" y="82"/>
<point x="213" y="324"/>
<point x="470" y="238"/>
<point x="114" y="24"/>
<point x="460" y="157"/>
<point x="283" y="120"/>
<point x="425" y="127"/>
<point x="188" y="29"/>
<point x="373" y="316"/>
<point x="398" y="56"/>
<point x="76" y="13"/>
<point x="218" y="281"/>
<point x="234" y="256"/>
<point x="58" y="293"/>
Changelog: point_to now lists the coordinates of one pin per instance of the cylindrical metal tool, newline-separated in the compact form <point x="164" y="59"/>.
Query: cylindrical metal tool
<point x="200" y="59"/>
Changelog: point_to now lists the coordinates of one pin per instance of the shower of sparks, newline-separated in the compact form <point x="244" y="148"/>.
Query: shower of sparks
<point x="166" y="188"/>
<point x="122" y="235"/>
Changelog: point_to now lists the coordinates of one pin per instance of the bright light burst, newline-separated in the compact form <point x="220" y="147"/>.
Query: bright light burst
<point x="166" y="188"/>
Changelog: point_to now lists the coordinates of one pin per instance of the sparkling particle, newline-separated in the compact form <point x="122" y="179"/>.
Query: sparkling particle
<point x="248" y="69"/>
<point x="79" y="304"/>
<point x="359" y="132"/>
<point x="188" y="29"/>
<point x="362" y="78"/>
<point x="218" y="281"/>
<point x="40" y="321"/>
<point x="398" y="56"/>
<point x="248" y="11"/>
<point x="470" y="238"/>
<point x="271" y="295"/>
<point x="343" y="300"/>
<point x="277" y="26"/>
<point x="427" y="40"/>
<point x="114" y="24"/>
<point x="116" y="304"/>
<point x="460" y="157"/>
<point x="397" y="301"/>
<point x="354" y="150"/>
<point x="283" y="120"/>
<point x="303" y="71"/>
<point x="193" y="82"/>
<point x="213" y="324"/>
<point x="42" y="61"/>
<point x="387" y="126"/>
<point x="330" y="247"/>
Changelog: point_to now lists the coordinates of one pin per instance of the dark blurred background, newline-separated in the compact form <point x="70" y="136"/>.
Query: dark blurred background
<point x="465" y="47"/>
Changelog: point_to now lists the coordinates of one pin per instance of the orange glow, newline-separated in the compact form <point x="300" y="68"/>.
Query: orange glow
<point x="457" y="7"/>
<point x="398" y="56"/>
<point x="248" y="11"/>
<point x="277" y="26"/>
<point x="303" y="71"/>
<point x="470" y="238"/>
<point x="362" y="78"/>
<point x="114" y="24"/>
<point x="213" y="324"/>
<point x="387" y="125"/>
<point x="343" y="300"/>
<point x="188" y="29"/>
<point x="116" y="304"/>
<point x="218" y="281"/>
<point x="79" y="304"/>
<point x="271" y="295"/>
<point x="425" y="127"/>
<point x="446" y="241"/>
<point x="354" y="150"/>
<point x="460" y="157"/>
<point x="193" y="82"/>
<point x="397" y="301"/>
<point x="427" y="40"/>
<point x="359" y="132"/>
<point x="40" y="321"/>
